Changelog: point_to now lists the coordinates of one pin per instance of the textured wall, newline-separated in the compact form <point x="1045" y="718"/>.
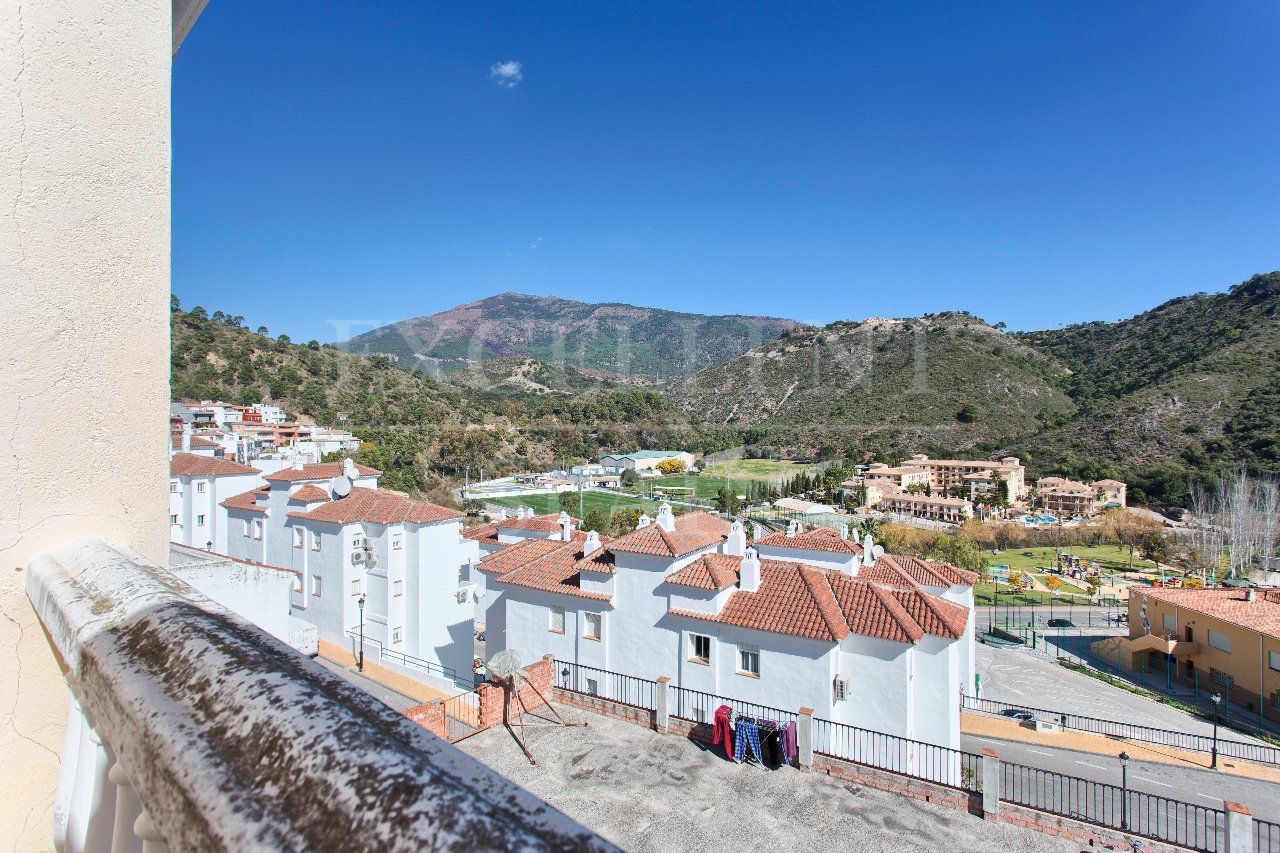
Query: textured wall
<point x="84" y="338"/>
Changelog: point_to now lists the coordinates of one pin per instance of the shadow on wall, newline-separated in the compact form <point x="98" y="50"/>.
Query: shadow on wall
<point x="457" y="654"/>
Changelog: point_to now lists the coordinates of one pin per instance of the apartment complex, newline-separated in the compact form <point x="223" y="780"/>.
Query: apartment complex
<point x="1225" y="640"/>
<point x="969" y="478"/>
<point x="1071" y="499"/>
<point x="881" y="643"/>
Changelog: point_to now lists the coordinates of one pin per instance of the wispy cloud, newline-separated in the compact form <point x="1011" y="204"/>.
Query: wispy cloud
<point x="537" y="241"/>
<point x="507" y="74"/>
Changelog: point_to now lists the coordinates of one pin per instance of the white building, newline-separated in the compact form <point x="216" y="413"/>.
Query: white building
<point x="346" y="538"/>
<point x="884" y="644"/>
<point x="269" y="414"/>
<point x="198" y="484"/>
<point x="644" y="460"/>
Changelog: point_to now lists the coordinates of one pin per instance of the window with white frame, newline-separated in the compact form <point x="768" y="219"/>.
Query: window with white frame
<point x="355" y="587"/>
<point x="1219" y="641"/>
<point x="397" y="588"/>
<point x="357" y="542"/>
<point x="257" y="528"/>
<point x="297" y="537"/>
<point x="1170" y="624"/>
<point x="201" y="486"/>
<point x="173" y="519"/>
<point x="749" y="660"/>
<point x="297" y="583"/>
<point x="591" y="626"/>
<point x="1273" y="660"/>
<point x="248" y="529"/>
<point x="173" y="488"/>
<point x="315" y="585"/>
<point x="397" y="541"/>
<point x="199" y="521"/>
<point x="556" y="619"/>
<point x="699" y="648"/>
<point x="315" y="540"/>
<point x="395" y="635"/>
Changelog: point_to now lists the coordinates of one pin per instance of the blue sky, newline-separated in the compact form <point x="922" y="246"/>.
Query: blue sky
<point x="339" y="165"/>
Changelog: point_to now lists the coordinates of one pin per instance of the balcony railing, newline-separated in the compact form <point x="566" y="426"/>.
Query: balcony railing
<point x="188" y="728"/>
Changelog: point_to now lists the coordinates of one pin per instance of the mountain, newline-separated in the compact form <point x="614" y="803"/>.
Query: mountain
<point x="526" y="377"/>
<point x="1193" y="383"/>
<point x="938" y="382"/>
<point x="622" y="339"/>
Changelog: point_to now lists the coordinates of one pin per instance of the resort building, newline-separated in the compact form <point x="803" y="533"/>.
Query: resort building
<point x="644" y="460"/>
<point x="364" y="554"/>
<point x="1071" y="499"/>
<point x="1224" y="640"/>
<point x="885" y="495"/>
<point x="884" y="643"/>
<point x="956" y="477"/>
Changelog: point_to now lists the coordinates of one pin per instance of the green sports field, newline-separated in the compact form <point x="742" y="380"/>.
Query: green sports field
<point x="542" y="504"/>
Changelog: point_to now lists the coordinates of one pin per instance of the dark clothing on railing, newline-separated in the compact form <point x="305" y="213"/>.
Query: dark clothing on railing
<point x="723" y="729"/>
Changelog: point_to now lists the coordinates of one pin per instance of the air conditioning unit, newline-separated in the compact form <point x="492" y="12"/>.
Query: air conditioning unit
<point x="370" y="557"/>
<point x="840" y="689"/>
<point x="357" y="557"/>
<point x="461" y="596"/>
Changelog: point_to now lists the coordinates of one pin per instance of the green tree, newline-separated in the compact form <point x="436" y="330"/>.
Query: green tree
<point x="624" y="520"/>
<point x="630" y="478"/>
<point x="727" y="500"/>
<point x="568" y="501"/>
<point x="596" y="519"/>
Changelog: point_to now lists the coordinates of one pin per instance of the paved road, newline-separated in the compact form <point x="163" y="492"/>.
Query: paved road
<point x="385" y="694"/>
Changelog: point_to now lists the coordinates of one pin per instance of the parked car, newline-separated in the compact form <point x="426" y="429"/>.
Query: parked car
<point x="1061" y="623"/>
<point x="1018" y="714"/>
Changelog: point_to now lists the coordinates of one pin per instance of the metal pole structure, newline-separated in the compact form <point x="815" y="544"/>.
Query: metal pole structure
<point x="360" y="662"/>
<point x="1213" y="764"/>
<point x="1124" y="791"/>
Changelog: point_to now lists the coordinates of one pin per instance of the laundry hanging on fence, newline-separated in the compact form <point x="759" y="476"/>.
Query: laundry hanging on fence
<point x="787" y="740"/>
<point x="748" y="737"/>
<point x="723" y="729"/>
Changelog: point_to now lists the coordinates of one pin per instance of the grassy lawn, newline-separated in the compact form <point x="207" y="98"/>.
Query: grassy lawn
<point x="983" y="594"/>
<point x="543" y="504"/>
<point x="1108" y="556"/>
<point x="741" y="474"/>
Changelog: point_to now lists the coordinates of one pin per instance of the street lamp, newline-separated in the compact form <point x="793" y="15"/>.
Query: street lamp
<point x="360" y="661"/>
<point x="1217" y="700"/>
<point x="1124" y="791"/>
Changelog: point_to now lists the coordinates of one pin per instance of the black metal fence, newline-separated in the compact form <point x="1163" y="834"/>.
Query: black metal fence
<point x="1266" y="836"/>
<point x="588" y="680"/>
<point x="384" y="653"/>
<point x="927" y="761"/>
<point x="699" y="707"/>
<point x="1255" y="752"/>
<point x="1148" y="815"/>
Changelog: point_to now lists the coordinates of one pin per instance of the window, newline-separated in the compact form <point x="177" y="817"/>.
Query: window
<point x="397" y="542"/>
<point x="173" y="519"/>
<point x="1223" y="680"/>
<point x="397" y="588"/>
<point x="593" y="687"/>
<point x="557" y="619"/>
<point x="315" y="585"/>
<point x="357" y="542"/>
<point x="1273" y="660"/>
<point x="1275" y="701"/>
<point x="1190" y="634"/>
<point x="591" y="626"/>
<point x="199" y="521"/>
<point x="1219" y="641"/>
<point x="1170" y="624"/>
<point x="173" y="488"/>
<point x="700" y="648"/>
<point x="297" y="583"/>
<point x="395" y="635"/>
<point x="749" y="661"/>
<point x="248" y="530"/>
<point x="315" y="541"/>
<point x="297" y="537"/>
<point x="257" y="529"/>
<point x="200" y="487"/>
<point x="355" y="587"/>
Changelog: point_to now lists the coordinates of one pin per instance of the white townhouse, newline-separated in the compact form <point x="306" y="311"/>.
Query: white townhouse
<point x="816" y="622"/>
<point x="346" y="538"/>
<point x="198" y="484"/>
<point x="504" y="530"/>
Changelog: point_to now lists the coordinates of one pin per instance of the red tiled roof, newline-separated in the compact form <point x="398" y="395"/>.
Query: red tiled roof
<point x="818" y="539"/>
<point x="693" y="531"/>
<point x="482" y="533"/>
<point x="309" y="494"/>
<point x="548" y="523"/>
<point x="826" y="604"/>
<point x="378" y="506"/>
<point x="899" y="570"/>
<point x="317" y="471"/>
<point x="176" y="441"/>
<point x="191" y="465"/>
<point x="1230" y="605"/>
<point x="546" y="564"/>
<point x="191" y="549"/>
<point x="248" y="500"/>
<point x="601" y="561"/>
<point x="710" y="571"/>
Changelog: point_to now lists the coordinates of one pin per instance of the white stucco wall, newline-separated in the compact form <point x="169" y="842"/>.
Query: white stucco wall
<point x="84" y="257"/>
<point x="257" y="593"/>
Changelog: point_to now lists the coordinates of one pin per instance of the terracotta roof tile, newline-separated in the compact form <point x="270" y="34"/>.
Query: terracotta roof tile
<point x="377" y="506"/>
<point x="693" y="531"/>
<point x="482" y="533"/>
<point x="309" y="494"/>
<point x="900" y="570"/>
<point x="710" y="571"/>
<point x="548" y="523"/>
<point x="546" y="564"/>
<point x="248" y="501"/>
<point x="1230" y="605"/>
<point x="176" y="441"/>
<point x="818" y="539"/>
<point x="191" y="465"/>
<point x="317" y="471"/>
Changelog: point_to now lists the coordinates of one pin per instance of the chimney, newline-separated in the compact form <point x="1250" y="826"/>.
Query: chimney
<point x="757" y="532"/>
<point x="666" y="520"/>
<point x="736" y="542"/>
<point x="644" y="521"/>
<point x="867" y="545"/>
<point x="186" y="438"/>
<point x="502" y="514"/>
<point x="591" y="544"/>
<point x="566" y="527"/>
<point x="349" y="468"/>
<point x="844" y="530"/>
<point x="297" y="460"/>
<point x="749" y="571"/>
<point x="793" y="527"/>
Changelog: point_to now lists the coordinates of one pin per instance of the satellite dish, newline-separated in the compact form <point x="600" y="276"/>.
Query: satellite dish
<point x="506" y="664"/>
<point x="877" y="552"/>
<point x="341" y="485"/>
